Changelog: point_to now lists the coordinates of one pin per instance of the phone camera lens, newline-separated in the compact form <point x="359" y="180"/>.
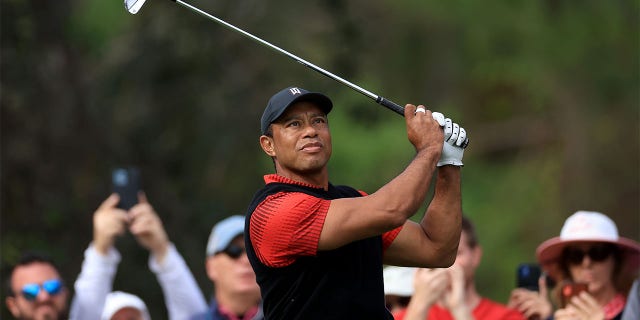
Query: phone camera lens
<point x="120" y="177"/>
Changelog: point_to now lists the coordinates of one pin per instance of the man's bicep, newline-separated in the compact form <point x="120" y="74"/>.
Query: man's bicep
<point x="411" y="248"/>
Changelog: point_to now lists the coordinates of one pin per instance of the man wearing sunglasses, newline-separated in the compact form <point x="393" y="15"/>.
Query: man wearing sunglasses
<point x="236" y="295"/>
<point x="36" y="290"/>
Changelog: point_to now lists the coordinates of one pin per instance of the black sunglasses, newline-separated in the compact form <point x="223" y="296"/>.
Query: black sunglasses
<point x="596" y="253"/>
<point x="234" y="251"/>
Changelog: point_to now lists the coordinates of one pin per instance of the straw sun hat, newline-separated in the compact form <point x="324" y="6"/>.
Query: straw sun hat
<point x="587" y="226"/>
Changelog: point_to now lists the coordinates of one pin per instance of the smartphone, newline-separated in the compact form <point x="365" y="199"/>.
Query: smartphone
<point x="570" y="290"/>
<point x="126" y="183"/>
<point x="527" y="276"/>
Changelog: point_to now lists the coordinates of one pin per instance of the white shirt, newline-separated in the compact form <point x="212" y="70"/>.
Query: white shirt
<point x="182" y="295"/>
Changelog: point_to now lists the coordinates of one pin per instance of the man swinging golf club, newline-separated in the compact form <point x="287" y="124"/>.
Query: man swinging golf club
<point x="317" y="248"/>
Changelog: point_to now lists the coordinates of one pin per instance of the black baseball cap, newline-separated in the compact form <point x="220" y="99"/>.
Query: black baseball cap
<point x="280" y="101"/>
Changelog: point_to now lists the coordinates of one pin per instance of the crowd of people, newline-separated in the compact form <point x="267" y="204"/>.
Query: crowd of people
<point x="589" y="252"/>
<point x="309" y="249"/>
<point x="37" y="291"/>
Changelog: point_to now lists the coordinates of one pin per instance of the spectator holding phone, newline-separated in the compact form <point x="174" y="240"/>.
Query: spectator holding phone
<point x="590" y="251"/>
<point x="36" y="290"/>
<point x="94" y="284"/>
<point x="444" y="294"/>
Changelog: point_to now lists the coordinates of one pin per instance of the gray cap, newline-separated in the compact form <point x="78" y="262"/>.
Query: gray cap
<point x="280" y="101"/>
<point x="223" y="233"/>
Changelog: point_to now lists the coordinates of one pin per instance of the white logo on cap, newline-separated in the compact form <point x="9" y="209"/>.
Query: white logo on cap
<point x="295" y="91"/>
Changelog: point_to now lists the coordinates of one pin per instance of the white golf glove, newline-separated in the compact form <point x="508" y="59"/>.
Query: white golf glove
<point x="454" y="137"/>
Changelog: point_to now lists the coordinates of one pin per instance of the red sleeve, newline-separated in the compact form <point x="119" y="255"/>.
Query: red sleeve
<point x="287" y="225"/>
<point x="389" y="236"/>
<point x="488" y="309"/>
<point x="399" y="315"/>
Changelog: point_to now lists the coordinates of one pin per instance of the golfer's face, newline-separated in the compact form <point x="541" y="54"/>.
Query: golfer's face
<point x="301" y="139"/>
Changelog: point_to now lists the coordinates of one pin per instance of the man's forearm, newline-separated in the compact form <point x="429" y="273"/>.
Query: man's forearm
<point x="443" y="219"/>
<point x="405" y="193"/>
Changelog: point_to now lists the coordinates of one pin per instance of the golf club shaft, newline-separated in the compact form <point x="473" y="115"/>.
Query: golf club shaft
<point x="380" y="100"/>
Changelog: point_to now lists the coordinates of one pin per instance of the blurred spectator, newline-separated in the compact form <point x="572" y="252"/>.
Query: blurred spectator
<point x="124" y="306"/>
<point x="632" y="309"/>
<point x="236" y="292"/>
<point x="94" y="284"/>
<point x="398" y="287"/>
<point x="451" y="293"/>
<point x="36" y="290"/>
<point x="589" y="250"/>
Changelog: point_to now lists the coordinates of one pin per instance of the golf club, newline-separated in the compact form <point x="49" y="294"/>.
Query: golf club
<point x="133" y="6"/>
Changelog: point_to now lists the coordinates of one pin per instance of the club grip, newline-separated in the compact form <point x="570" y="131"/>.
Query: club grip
<point x="400" y="110"/>
<point x="391" y="105"/>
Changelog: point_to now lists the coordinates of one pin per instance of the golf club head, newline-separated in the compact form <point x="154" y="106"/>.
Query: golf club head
<point x="133" y="6"/>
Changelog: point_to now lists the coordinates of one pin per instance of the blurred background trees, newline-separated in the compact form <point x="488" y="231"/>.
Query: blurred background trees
<point x="548" y="91"/>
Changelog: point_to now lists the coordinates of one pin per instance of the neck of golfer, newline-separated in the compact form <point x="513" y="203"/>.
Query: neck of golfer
<point x="317" y="178"/>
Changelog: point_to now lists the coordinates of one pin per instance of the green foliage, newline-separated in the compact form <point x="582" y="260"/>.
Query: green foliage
<point x="94" y="24"/>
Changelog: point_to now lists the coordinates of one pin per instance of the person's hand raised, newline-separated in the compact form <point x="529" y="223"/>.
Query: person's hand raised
<point x="147" y="228"/>
<point x="429" y="286"/>
<point x="109" y="222"/>
<point x="454" y="298"/>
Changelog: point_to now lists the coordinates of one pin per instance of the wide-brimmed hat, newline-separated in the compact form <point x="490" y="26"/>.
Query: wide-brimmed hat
<point x="587" y="226"/>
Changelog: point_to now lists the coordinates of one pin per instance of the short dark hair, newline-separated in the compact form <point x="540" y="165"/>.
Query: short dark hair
<point x="470" y="230"/>
<point x="269" y="131"/>
<point x="28" y="258"/>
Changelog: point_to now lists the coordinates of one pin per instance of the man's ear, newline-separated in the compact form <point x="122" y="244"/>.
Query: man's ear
<point x="210" y="267"/>
<point x="267" y="145"/>
<point x="12" y="306"/>
<point x="477" y="255"/>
